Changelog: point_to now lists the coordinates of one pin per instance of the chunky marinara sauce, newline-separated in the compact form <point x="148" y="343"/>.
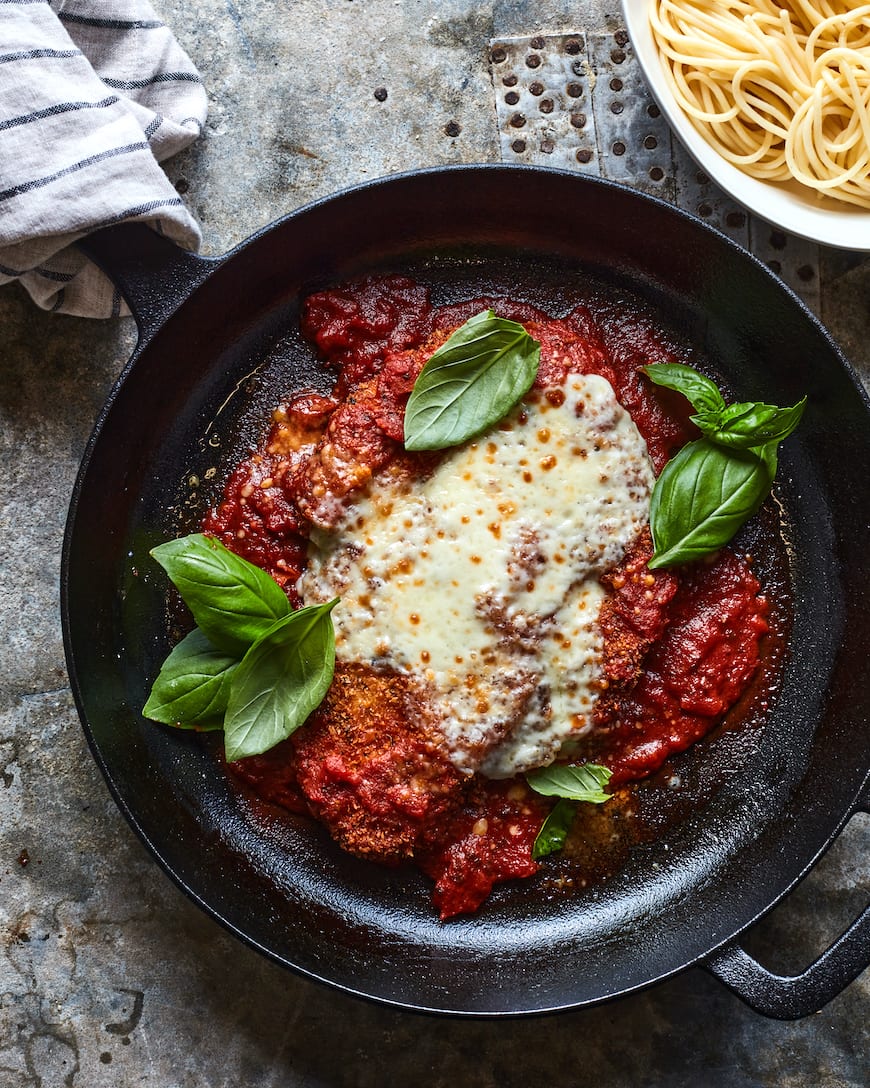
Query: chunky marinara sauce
<point x="680" y="646"/>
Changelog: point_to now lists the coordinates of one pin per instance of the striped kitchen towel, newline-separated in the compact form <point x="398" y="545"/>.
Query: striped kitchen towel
<point x="92" y="97"/>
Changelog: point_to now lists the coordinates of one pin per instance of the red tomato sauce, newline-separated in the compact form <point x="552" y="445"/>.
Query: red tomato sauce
<point x="705" y="652"/>
<point x="680" y="646"/>
<point x="487" y="841"/>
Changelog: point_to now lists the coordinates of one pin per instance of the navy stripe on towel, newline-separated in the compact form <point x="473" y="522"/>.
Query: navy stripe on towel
<point x="46" y="273"/>
<point x="37" y="183"/>
<point x="141" y="209"/>
<point x="38" y="54"/>
<point x="161" y="77"/>
<point x="57" y="108"/>
<point x="110" y="24"/>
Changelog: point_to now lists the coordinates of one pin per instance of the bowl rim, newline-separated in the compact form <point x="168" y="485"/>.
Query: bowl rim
<point x="781" y="205"/>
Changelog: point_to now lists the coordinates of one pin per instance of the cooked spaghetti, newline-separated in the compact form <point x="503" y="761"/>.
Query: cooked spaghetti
<point x="781" y="90"/>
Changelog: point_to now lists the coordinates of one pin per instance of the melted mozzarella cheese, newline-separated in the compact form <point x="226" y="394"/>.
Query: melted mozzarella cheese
<point x="481" y="581"/>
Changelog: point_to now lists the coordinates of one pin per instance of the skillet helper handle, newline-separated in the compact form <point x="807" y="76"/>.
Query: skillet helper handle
<point x="154" y="275"/>
<point x="784" y="997"/>
<point x="791" y="997"/>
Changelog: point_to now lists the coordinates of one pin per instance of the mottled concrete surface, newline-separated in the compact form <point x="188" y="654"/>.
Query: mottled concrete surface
<point x="108" y="975"/>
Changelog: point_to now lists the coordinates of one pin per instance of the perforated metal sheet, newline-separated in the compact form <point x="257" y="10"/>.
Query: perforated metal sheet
<point x="579" y="101"/>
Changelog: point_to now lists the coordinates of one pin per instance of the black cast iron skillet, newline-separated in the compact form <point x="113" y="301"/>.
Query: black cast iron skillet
<point x="177" y="417"/>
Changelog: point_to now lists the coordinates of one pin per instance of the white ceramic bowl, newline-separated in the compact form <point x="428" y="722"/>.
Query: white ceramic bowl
<point x="788" y="206"/>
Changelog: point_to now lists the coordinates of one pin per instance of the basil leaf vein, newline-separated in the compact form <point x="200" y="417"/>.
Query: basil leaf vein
<point x="281" y="679"/>
<point x="193" y="686"/>
<point x="232" y="601"/>
<point x="471" y="382"/>
<point x="583" y="782"/>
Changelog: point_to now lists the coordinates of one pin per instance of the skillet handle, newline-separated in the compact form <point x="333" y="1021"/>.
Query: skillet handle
<point x="154" y="275"/>
<point x="789" y="998"/>
<point x="785" y="997"/>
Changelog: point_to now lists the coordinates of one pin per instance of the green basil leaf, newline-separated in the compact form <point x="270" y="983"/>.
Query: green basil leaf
<point x="193" y="685"/>
<point x="474" y="379"/>
<point x="703" y="496"/>
<point x="582" y="782"/>
<point x="743" y="426"/>
<point x="232" y="601"/>
<point x="768" y="454"/>
<point x="554" y="831"/>
<point x="700" y="392"/>
<point x="281" y="679"/>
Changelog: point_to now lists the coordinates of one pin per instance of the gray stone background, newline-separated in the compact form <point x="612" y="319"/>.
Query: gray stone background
<point x="108" y="975"/>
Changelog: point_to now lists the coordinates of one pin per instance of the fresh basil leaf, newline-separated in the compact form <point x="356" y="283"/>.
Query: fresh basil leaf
<point x="703" y="496"/>
<point x="554" y="830"/>
<point x="232" y="601"/>
<point x="700" y="392"/>
<point x="474" y="379"/>
<point x="743" y="426"/>
<point x="193" y="685"/>
<point x="281" y="679"/>
<point x="583" y="782"/>
<point x="768" y="454"/>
